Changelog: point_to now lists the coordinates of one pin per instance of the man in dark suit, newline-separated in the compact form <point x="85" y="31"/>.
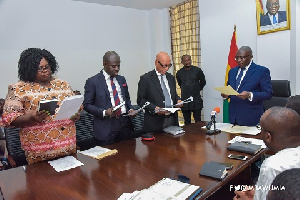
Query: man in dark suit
<point x="2" y="132"/>
<point x="191" y="80"/>
<point x="103" y="92"/>
<point x="253" y="83"/>
<point x="273" y="16"/>
<point x="158" y="87"/>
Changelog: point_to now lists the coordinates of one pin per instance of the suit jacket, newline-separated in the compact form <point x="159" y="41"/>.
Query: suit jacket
<point x="258" y="81"/>
<point x="149" y="89"/>
<point x="191" y="83"/>
<point x="265" y="20"/>
<point x="97" y="99"/>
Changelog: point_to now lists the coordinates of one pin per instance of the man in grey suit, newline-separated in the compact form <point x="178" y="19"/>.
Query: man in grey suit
<point x="158" y="87"/>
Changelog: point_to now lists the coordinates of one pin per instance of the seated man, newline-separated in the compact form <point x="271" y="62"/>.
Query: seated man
<point x="280" y="130"/>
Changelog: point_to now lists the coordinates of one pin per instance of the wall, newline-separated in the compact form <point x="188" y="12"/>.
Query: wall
<point x="79" y="34"/>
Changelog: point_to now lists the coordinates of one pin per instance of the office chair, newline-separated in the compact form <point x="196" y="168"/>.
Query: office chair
<point x="84" y="131"/>
<point x="138" y="122"/>
<point x="281" y="93"/>
<point x="16" y="155"/>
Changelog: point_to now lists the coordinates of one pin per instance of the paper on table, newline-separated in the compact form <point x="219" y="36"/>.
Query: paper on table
<point x="69" y="107"/>
<point x="66" y="163"/>
<point x="230" y="128"/>
<point x="251" y="140"/>
<point x="99" y="152"/>
<point x="228" y="90"/>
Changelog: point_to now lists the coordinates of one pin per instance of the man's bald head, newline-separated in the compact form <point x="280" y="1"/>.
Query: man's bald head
<point x="280" y="128"/>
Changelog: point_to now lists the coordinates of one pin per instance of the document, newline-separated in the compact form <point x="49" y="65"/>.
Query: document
<point x="228" y="90"/>
<point x="99" y="152"/>
<point x="69" y="107"/>
<point x="164" y="189"/>
<point x="248" y="140"/>
<point x="230" y="128"/>
<point x="171" y="110"/>
<point x="66" y="163"/>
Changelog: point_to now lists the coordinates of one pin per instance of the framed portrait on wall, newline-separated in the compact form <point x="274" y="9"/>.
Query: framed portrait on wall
<point x="272" y="16"/>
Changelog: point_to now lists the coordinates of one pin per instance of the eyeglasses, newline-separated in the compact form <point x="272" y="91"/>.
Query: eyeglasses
<point x="164" y="66"/>
<point x="273" y="4"/>
<point x="47" y="68"/>
<point x="241" y="57"/>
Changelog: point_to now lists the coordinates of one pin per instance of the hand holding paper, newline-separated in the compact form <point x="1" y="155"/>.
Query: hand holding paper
<point x="228" y="90"/>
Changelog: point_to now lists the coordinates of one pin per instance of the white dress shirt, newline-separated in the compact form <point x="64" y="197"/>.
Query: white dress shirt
<point x="283" y="160"/>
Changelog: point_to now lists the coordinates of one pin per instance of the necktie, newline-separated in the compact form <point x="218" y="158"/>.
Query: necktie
<point x="274" y="19"/>
<point x="238" y="79"/>
<point x="116" y="96"/>
<point x="166" y="93"/>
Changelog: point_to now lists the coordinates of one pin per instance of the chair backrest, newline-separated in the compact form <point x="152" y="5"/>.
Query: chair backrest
<point x="84" y="131"/>
<point x="281" y="88"/>
<point x="281" y="93"/>
<point x="138" y="120"/>
<point x="13" y="145"/>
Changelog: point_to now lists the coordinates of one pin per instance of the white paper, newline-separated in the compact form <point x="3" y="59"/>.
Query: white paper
<point x="250" y="140"/>
<point x="66" y="163"/>
<point x="165" y="189"/>
<point x="174" y="130"/>
<point x="172" y="110"/>
<point x="69" y="107"/>
<point x="230" y="128"/>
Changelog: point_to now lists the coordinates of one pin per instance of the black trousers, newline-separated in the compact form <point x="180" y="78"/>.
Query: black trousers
<point x="187" y="115"/>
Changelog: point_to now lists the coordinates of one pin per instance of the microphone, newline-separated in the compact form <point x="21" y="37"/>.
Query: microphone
<point x="213" y="115"/>
<point x="215" y="111"/>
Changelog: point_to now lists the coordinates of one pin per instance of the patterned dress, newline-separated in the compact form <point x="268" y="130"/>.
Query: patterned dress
<point x="46" y="140"/>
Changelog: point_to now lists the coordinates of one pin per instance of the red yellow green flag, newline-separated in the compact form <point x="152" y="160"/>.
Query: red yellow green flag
<point x="260" y="8"/>
<point x="230" y="64"/>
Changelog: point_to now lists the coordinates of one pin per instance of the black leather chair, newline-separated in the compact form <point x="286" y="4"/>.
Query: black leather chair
<point x="281" y="93"/>
<point x="16" y="155"/>
<point x="84" y="131"/>
<point x="138" y="122"/>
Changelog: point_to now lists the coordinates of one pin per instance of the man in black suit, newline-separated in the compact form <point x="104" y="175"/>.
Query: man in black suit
<point x="2" y="133"/>
<point x="191" y="80"/>
<point x="273" y="16"/>
<point x="158" y="87"/>
<point x="103" y="92"/>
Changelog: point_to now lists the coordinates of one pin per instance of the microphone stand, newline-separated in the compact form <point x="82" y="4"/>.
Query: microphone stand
<point x="210" y="132"/>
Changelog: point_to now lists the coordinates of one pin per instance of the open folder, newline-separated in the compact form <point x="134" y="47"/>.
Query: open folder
<point x="228" y="90"/>
<point x="69" y="107"/>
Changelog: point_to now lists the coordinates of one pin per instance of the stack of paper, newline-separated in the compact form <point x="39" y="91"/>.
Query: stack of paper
<point x="164" y="189"/>
<point x="66" y="163"/>
<point x="99" y="152"/>
<point x="69" y="107"/>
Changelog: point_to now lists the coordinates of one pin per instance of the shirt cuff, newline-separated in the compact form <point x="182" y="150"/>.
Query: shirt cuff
<point x="250" y="98"/>
<point x="104" y="113"/>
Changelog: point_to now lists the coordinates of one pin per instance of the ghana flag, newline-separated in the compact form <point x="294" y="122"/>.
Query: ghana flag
<point x="230" y="64"/>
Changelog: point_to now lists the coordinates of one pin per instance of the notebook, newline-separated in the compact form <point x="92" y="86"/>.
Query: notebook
<point x="244" y="147"/>
<point x="214" y="170"/>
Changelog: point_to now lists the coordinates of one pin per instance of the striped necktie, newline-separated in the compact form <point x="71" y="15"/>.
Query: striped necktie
<point x="166" y="93"/>
<point x="116" y="96"/>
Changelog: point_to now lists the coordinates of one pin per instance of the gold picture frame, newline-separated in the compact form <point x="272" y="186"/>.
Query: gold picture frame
<point x="266" y="22"/>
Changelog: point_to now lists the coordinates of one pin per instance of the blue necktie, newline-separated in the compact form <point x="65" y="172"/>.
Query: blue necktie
<point x="238" y="79"/>
<point x="274" y="19"/>
<point x="166" y="93"/>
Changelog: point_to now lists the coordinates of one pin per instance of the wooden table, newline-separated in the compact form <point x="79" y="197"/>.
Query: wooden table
<point x="137" y="165"/>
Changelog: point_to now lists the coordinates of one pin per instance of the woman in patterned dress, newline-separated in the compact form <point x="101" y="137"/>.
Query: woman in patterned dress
<point x="42" y="138"/>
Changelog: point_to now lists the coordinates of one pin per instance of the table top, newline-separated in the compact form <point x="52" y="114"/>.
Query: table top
<point x="137" y="165"/>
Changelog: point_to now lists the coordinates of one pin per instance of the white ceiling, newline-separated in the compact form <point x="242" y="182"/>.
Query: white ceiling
<point x="137" y="4"/>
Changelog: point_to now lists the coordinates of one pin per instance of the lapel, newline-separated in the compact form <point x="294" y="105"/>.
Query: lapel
<point x="250" y="71"/>
<point x="121" y="85"/>
<point x="234" y="71"/>
<point x="156" y="82"/>
<point x="169" y="77"/>
<point x="102" y="83"/>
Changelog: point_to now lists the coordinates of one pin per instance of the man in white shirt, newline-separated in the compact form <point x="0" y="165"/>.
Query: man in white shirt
<point x="280" y="129"/>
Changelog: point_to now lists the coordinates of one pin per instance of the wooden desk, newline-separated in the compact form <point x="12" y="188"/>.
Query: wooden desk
<point x="137" y="165"/>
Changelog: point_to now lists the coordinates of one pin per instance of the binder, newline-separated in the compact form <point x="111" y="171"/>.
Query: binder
<point x="213" y="170"/>
<point x="244" y="147"/>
